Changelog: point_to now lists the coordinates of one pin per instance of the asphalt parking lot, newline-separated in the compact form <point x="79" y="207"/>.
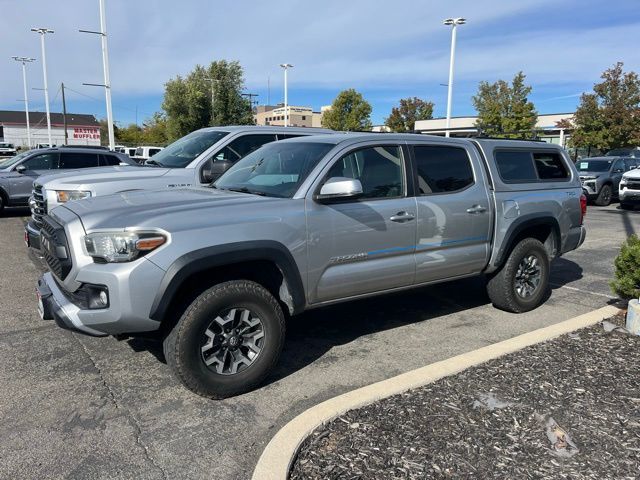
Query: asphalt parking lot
<point x="79" y="407"/>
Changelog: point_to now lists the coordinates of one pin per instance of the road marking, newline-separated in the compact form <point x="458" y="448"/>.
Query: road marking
<point x="583" y="291"/>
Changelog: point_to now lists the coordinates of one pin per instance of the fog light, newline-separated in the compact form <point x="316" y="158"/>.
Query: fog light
<point x="97" y="296"/>
<point x="103" y="299"/>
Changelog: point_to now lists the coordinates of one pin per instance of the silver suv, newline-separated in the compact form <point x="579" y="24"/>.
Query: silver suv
<point x="302" y="224"/>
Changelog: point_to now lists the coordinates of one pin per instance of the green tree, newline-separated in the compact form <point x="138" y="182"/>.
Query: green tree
<point x="403" y="118"/>
<point x="504" y="110"/>
<point x="348" y="112"/>
<point x="188" y="101"/>
<point x="610" y="116"/>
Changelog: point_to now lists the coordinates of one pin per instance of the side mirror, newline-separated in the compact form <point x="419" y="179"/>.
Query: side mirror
<point x="211" y="170"/>
<point x="21" y="169"/>
<point x="339" y="188"/>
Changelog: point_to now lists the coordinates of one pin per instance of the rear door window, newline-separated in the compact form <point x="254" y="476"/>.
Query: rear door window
<point x="78" y="160"/>
<point x="442" y="169"/>
<point x="550" y="166"/>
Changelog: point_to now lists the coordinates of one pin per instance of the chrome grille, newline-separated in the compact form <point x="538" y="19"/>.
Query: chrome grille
<point x="39" y="205"/>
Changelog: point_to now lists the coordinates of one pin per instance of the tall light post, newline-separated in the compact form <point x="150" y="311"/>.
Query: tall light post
<point x="286" y="67"/>
<point x="107" y="77"/>
<point x="43" y="32"/>
<point x="453" y="22"/>
<point x="24" y="61"/>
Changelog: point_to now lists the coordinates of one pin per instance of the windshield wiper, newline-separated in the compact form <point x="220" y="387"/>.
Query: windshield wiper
<point x="245" y="190"/>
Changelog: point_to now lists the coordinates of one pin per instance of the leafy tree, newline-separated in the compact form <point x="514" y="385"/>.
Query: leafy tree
<point x="403" y="118"/>
<point x="188" y="101"/>
<point x="504" y="110"/>
<point x="348" y="112"/>
<point x="610" y="116"/>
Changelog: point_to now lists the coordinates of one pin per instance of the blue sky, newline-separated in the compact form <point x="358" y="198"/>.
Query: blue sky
<point x="386" y="50"/>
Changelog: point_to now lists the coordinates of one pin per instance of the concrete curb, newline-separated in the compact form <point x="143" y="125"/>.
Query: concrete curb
<point x="275" y="462"/>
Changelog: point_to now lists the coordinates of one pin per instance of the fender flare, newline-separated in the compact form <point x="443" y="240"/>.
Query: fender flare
<point x="221" y="255"/>
<point x="521" y="224"/>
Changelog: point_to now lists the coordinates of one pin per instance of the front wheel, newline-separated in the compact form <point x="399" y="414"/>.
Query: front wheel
<point x="523" y="281"/>
<point x="604" y="197"/>
<point x="227" y="341"/>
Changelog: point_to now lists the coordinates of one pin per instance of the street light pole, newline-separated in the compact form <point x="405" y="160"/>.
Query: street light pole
<point x="453" y="22"/>
<point x="43" y="32"/>
<point x="286" y="67"/>
<point x="24" y="61"/>
<point x="107" y="77"/>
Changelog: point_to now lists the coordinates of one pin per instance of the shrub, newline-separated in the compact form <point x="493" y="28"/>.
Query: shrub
<point x="627" y="269"/>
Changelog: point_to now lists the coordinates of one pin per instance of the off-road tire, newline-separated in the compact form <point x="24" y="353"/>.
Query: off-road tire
<point x="182" y="346"/>
<point x="604" y="197"/>
<point x="501" y="286"/>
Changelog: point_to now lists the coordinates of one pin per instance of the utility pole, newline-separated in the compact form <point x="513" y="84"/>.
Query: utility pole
<point x="286" y="67"/>
<point x="107" y="78"/>
<point x="43" y="32"/>
<point x="251" y="96"/>
<point x="24" y="61"/>
<point x="64" y="116"/>
<point x="453" y="22"/>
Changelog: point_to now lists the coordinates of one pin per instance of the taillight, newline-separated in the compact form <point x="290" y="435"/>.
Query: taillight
<point x="583" y="207"/>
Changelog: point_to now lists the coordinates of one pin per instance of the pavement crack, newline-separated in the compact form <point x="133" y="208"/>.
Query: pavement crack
<point x="125" y="411"/>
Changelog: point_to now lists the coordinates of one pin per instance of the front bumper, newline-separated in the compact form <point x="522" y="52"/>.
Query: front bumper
<point x="590" y="188"/>
<point x="54" y="305"/>
<point x="32" y="235"/>
<point x="629" y="196"/>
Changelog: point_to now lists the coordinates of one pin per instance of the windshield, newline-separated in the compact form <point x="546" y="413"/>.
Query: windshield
<point x="8" y="162"/>
<point x="184" y="151"/>
<point x="6" y="145"/>
<point x="275" y="170"/>
<point x="619" y="152"/>
<point x="594" y="165"/>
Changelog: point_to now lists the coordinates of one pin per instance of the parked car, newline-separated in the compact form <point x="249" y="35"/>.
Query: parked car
<point x="18" y="173"/>
<point x="196" y="159"/>
<point x="143" y="154"/>
<point x="301" y="224"/>
<point x="629" y="190"/>
<point x="130" y="151"/>
<point x="44" y="145"/>
<point x="600" y="176"/>
<point x="7" y="149"/>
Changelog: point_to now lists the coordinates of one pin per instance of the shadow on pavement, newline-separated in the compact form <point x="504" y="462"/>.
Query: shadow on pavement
<point x="626" y="218"/>
<point x="315" y="332"/>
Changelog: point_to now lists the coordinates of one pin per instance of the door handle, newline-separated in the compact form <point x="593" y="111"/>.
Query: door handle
<point x="476" y="209"/>
<point x="402" y="217"/>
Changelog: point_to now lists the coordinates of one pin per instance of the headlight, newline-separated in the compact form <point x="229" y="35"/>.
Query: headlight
<point x="115" y="247"/>
<point x="68" y="195"/>
<point x="623" y="181"/>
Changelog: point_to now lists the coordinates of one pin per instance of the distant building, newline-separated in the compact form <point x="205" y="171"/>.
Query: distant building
<point x="82" y="129"/>
<point x="298" y="116"/>
<point x="466" y="127"/>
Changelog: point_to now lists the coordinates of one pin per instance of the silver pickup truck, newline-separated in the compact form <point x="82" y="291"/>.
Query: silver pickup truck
<point x="301" y="224"/>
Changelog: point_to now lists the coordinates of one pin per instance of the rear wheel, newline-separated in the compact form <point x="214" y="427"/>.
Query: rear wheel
<point x="523" y="281"/>
<point x="604" y="197"/>
<point x="227" y="341"/>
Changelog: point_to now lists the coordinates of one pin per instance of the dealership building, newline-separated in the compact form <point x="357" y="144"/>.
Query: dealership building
<point x="546" y="127"/>
<point x="298" y="116"/>
<point x="82" y="129"/>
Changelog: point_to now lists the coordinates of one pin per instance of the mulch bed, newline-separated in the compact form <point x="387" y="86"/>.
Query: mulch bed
<point x="568" y="408"/>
